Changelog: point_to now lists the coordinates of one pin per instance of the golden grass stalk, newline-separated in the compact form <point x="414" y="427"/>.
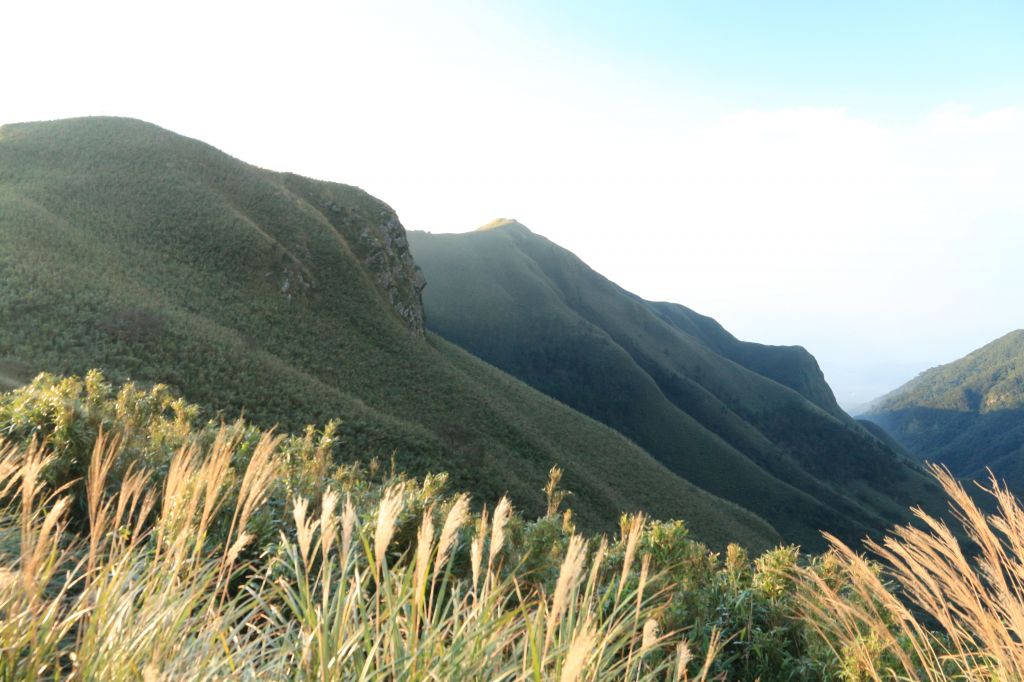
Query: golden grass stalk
<point x="683" y="658"/>
<point x="457" y="517"/>
<point x="387" y="516"/>
<point x="304" y="530"/>
<point x="424" y="548"/>
<point x="328" y="522"/>
<point x="44" y="548"/>
<point x="502" y="513"/>
<point x="595" y="565"/>
<point x="581" y="649"/>
<point x="631" y="536"/>
<point x="476" y="549"/>
<point x="714" y="644"/>
<point x="572" y="564"/>
<point x="135" y="499"/>
<point x="260" y="473"/>
<point x="11" y="467"/>
<point x="33" y="463"/>
<point x="212" y="474"/>
<point x="645" y="570"/>
<point x="348" y="524"/>
<point x="236" y="548"/>
<point x="650" y="636"/>
<point x="554" y="496"/>
<point x="104" y="453"/>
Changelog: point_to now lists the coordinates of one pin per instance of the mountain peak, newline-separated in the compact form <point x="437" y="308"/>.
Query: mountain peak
<point x="84" y="128"/>
<point x="503" y="223"/>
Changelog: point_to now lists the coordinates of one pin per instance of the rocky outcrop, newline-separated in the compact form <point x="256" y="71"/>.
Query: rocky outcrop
<point x="292" y="280"/>
<point x="377" y="238"/>
<point x="394" y="269"/>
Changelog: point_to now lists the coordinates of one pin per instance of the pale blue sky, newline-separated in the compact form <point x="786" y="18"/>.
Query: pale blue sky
<point x="844" y="176"/>
<point x="886" y="59"/>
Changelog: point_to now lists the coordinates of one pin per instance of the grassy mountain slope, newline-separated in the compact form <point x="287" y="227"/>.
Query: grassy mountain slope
<point x="790" y="366"/>
<point x="754" y="424"/>
<point x="158" y="258"/>
<point x="968" y="414"/>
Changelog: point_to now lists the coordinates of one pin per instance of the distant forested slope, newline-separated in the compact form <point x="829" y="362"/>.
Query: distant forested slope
<point x="755" y="424"/>
<point x="968" y="414"/>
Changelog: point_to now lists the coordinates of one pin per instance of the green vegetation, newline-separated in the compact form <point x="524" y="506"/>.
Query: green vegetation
<point x="754" y="424"/>
<point x="174" y="557"/>
<point x="166" y="548"/>
<point x="968" y="415"/>
<point x="159" y="259"/>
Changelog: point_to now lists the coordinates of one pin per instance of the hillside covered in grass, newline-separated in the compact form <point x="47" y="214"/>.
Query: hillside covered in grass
<point x="138" y="541"/>
<point x="755" y="424"/>
<point x="968" y="414"/>
<point x="157" y="258"/>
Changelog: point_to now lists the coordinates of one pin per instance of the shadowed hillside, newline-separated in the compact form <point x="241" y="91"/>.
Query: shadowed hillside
<point x="755" y="424"/>
<point x="153" y="257"/>
<point x="968" y="415"/>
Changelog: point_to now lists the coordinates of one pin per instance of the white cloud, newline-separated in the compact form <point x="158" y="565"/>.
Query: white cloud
<point x="958" y="119"/>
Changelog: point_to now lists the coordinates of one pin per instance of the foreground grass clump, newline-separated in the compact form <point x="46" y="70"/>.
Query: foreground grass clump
<point x="147" y="592"/>
<point x="931" y="607"/>
<point x="271" y="555"/>
<point x="132" y="545"/>
<point x="137" y="544"/>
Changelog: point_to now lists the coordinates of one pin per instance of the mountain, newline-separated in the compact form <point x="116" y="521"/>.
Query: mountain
<point x="968" y="414"/>
<point x="755" y="424"/>
<point x="158" y="258"/>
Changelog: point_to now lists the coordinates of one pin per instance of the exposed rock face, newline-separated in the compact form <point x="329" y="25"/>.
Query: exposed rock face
<point x="292" y="280"/>
<point x="394" y="269"/>
<point x="378" y="239"/>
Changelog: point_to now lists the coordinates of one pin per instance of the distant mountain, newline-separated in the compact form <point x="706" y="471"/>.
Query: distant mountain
<point x="755" y="424"/>
<point x="158" y="258"/>
<point x="968" y="414"/>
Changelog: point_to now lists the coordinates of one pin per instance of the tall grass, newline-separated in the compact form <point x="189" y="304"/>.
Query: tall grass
<point x="146" y="589"/>
<point x="149" y="549"/>
<point x="933" y="607"/>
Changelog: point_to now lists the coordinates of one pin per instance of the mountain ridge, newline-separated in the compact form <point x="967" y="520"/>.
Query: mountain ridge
<point x="967" y="414"/>
<point x="535" y="310"/>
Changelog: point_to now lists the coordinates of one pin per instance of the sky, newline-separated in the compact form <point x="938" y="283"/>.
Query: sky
<point x="845" y="176"/>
